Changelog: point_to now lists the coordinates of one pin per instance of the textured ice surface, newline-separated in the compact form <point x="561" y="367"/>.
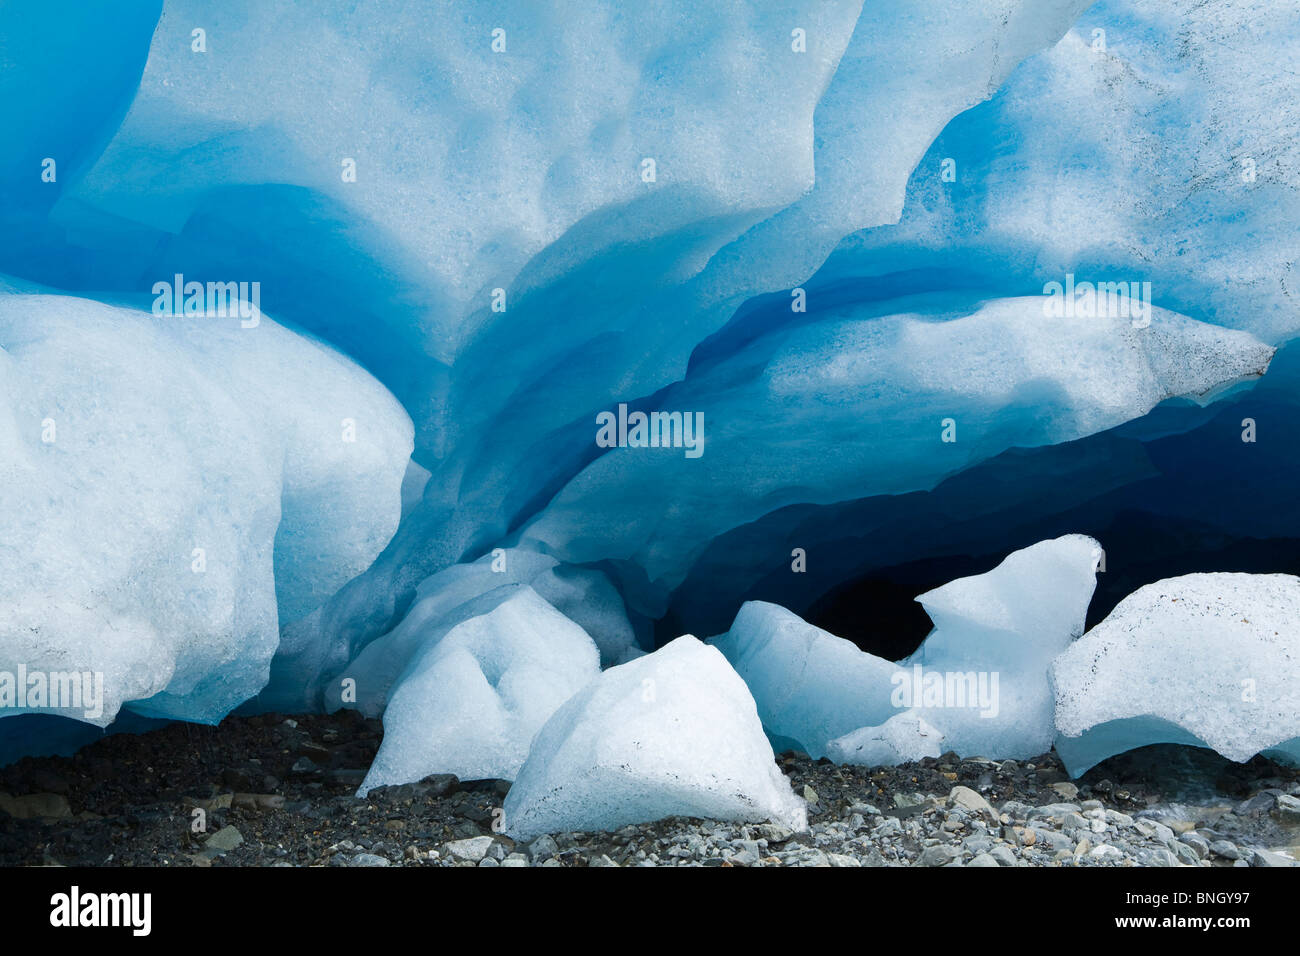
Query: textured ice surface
<point x="472" y="698"/>
<point x="674" y="733"/>
<point x="1156" y="140"/>
<point x="164" y="479"/>
<point x="523" y="171"/>
<point x="978" y="684"/>
<point x="1205" y="659"/>
<point x="879" y="390"/>
<point x="902" y="738"/>
<point x="475" y="168"/>
<point x="1000" y="630"/>
<point x="809" y="686"/>
<point x="443" y="600"/>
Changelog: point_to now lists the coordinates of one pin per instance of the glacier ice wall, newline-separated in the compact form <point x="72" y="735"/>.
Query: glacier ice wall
<point x="1001" y="373"/>
<point x="824" y="228"/>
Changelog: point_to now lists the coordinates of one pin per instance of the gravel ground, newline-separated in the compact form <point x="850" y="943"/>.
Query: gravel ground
<point x="275" y="791"/>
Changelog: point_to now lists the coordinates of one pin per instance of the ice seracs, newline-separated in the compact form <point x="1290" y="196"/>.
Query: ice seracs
<point x="1210" y="660"/>
<point x="673" y="733"/>
<point x="474" y="694"/>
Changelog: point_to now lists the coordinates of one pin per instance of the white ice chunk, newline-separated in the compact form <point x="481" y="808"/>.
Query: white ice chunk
<point x="902" y="738"/>
<point x="474" y="696"/>
<point x="809" y="685"/>
<point x="673" y="733"/>
<point x="443" y="600"/>
<point x="982" y="674"/>
<point x="1209" y="660"/>
<point x="164" y="479"/>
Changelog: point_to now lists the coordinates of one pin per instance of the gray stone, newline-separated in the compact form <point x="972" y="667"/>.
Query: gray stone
<point x="1105" y="853"/>
<point x="971" y="802"/>
<point x="224" y="840"/>
<point x="473" y="849"/>
<point x="1269" y="858"/>
<point x="1226" y="849"/>
<point x="938" y="855"/>
<point x="1157" y="856"/>
<point x="1288" y="808"/>
<point x="1053" y="839"/>
<point x="1198" y="843"/>
<point x="1257" y="805"/>
<point x="978" y="843"/>
<point x="1187" y="855"/>
<point x="1003" y="855"/>
<point x="543" y="848"/>
<point x="773" y="832"/>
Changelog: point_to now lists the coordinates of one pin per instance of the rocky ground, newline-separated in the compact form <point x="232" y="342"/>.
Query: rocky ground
<point x="274" y="791"/>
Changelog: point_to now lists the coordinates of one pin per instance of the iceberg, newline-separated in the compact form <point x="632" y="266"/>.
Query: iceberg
<point x="673" y="733"/>
<point x="1206" y="660"/>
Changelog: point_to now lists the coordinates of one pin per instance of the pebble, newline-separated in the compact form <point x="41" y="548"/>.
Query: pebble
<point x="1287" y="808"/>
<point x="1226" y="849"/>
<point x="938" y="855"/>
<point x="473" y="849"/>
<point x="1003" y="855"/>
<point x="542" y="849"/>
<point x="1105" y="853"/>
<point x="932" y="813"/>
<point x="971" y="802"/>
<point x="224" y="840"/>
